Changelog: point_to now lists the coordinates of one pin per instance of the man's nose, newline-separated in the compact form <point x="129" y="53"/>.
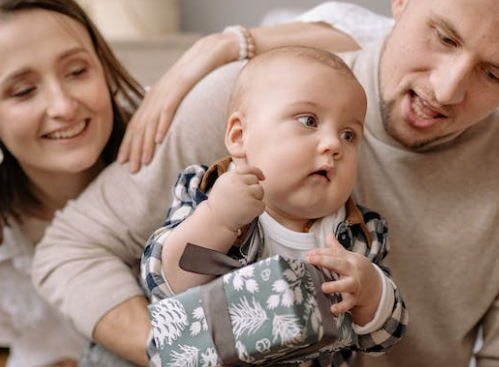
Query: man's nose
<point x="450" y="81"/>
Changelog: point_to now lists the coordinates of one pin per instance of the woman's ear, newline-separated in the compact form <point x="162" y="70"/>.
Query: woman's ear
<point x="398" y="7"/>
<point x="234" y="135"/>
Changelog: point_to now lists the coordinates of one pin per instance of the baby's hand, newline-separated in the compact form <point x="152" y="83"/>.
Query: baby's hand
<point x="237" y="197"/>
<point x="359" y="284"/>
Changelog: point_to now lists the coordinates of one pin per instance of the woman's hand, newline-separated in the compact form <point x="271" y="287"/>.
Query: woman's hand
<point x="152" y="120"/>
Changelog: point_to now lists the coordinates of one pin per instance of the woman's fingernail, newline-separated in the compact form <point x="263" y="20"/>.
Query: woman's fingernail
<point x="146" y="157"/>
<point x="134" y="166"/>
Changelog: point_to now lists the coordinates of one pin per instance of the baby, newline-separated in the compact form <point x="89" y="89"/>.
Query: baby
<point x="294" y="131"/>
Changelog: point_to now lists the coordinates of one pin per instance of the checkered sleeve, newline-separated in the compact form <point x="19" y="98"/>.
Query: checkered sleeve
<point x="186" y="197"/>
<point x="395" y="326"/>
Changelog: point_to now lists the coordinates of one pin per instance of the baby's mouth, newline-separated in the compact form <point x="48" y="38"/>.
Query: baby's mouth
<point x="322" y="172"/>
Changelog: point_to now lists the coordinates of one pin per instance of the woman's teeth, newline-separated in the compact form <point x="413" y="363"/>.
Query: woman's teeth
<point x="68" y="133"/>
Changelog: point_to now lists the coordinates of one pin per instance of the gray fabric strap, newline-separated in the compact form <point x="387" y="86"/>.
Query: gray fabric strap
<point x="202" y="260"/>
<point x="217" y="317"/>
<point x="330" y="331"/>
<point x="324" y="302"/>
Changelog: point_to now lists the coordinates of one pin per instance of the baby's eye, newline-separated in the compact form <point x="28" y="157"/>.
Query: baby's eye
<point x="348" y="136"/>
<point x="308" y="121"/>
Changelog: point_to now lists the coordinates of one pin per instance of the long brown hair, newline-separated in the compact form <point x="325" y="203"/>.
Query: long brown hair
<point x="16" y="196"/>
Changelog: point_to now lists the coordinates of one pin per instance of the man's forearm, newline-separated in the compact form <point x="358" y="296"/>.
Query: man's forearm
<point x="124" y="330"/>
<point x="320" y="35"/>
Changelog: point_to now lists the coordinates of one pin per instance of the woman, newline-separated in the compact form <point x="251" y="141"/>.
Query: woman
<point x="65" y="102"/>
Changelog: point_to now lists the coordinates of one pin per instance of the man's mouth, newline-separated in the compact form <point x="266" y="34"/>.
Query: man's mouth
<point x="422" y="114"/>
<point x="69" y="132"/>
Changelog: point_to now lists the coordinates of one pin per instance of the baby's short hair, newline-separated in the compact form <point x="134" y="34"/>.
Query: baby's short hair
<point x="308" y="53"/>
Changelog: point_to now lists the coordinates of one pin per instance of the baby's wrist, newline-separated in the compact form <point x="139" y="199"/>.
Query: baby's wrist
<point x="384" y="309"/>
<point x="220" y="221"/>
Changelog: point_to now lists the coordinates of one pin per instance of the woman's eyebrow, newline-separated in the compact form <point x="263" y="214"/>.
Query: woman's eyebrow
<point x="72" y="52"/>
<point x="17" y="74"/>
<point x="26" y="70"/>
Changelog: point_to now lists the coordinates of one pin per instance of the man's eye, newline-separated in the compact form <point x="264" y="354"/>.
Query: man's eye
<point x="348" y="136"/>
<point x="446" y="40"/>
<point x="490" y="75"/>
<point x="308" y="121"/>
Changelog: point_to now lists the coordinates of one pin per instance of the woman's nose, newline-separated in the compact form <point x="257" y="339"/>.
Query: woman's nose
<point x="60" y="103"/>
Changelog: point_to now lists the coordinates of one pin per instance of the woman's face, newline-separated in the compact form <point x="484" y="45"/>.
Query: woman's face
<point x="55" y="107"/>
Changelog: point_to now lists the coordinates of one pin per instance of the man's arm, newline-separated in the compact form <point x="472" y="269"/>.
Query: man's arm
<point x="125" y="329"/>
<point x="86" y="265"/>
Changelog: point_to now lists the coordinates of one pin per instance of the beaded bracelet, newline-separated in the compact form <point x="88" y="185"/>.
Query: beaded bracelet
<point x="246" y="42"/>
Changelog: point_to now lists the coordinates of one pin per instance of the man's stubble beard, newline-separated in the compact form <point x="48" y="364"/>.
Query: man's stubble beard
<point x="386" y="107"/>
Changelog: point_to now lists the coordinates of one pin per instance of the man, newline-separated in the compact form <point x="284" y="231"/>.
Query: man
<point x="428" y="164"/>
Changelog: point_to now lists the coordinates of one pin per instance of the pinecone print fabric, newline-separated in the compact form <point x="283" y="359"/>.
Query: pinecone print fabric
<point x="273" y="311"/>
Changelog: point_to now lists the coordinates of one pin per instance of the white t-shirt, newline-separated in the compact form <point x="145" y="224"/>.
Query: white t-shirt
<point x="37" y="335"/>
<point x="360" y="23"/>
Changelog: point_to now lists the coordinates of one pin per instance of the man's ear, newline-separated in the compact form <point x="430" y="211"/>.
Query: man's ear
<point x="398" y="7"/>
<point x="234" y="135"/>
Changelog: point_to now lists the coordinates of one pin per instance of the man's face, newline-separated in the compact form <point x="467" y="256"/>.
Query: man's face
<point x="439" y="71"/>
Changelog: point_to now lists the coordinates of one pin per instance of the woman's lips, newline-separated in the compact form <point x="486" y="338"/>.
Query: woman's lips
<point x="69" y="132"/>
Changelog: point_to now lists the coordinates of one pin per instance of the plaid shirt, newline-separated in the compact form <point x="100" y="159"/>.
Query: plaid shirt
<point x="363" y="231"/>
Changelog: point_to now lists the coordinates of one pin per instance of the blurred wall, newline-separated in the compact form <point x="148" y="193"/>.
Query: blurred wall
<point x="213" y="15"/>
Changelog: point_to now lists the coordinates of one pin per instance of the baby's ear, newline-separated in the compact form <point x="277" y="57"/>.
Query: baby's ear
<point x="234" y="135"/>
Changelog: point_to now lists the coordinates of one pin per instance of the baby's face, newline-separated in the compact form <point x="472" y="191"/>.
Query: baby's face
<point x="303" y="126"/>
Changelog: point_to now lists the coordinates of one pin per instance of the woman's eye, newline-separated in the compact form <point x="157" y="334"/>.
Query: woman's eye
<point x="348" y="136"/>
<point x="308" y="121"/>
<point x="78" y="72"/>
<point x="23" y="92"/>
